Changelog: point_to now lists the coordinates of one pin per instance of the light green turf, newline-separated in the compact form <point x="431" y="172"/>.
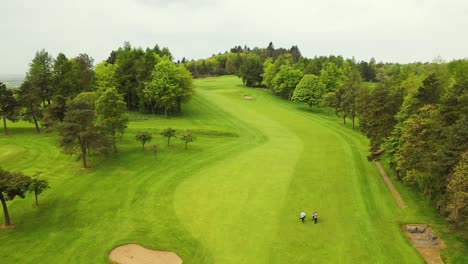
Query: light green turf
<point x="233" y="197"/>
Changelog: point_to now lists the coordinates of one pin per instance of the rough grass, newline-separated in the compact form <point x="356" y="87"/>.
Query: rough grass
<point x="233" y="197"/>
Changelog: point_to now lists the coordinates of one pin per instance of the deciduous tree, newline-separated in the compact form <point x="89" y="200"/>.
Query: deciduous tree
<point x="37" y="186"/>
<point x="78" y="131"/>
<point x="12" y="184"/>
<point x="310" y="90"/>
<point x="144" y="137"/>
<point x="8" y="105"/>
<point x="112" y="114"/>
<point x="169" y="133"/>
<point x="187" y="137"/>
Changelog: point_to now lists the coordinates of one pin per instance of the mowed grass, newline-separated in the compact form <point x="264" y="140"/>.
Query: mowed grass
<point x="233" y="197"/>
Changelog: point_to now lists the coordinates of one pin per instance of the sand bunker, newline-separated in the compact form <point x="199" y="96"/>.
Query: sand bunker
<point x="425" y="241"/>
<point x="136" y="254"/>
<point x="248" y="97"/>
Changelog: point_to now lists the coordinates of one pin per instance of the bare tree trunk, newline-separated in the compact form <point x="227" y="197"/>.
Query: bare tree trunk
<point x="35" y="124"/>
<point x="186" y="144"/>
<point x="353" y="121"/>
<point x="83" y="147"/>
<point x="344" y="120"/>
<point x="168" y="140"/>
<point x="37" y="203"/>
<point x="5" y="125"/>
<point x="5" y="210"/>
<point x="114" y="141"/>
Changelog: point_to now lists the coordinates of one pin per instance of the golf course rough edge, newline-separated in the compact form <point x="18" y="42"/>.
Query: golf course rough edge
<point x="136" y="254"/>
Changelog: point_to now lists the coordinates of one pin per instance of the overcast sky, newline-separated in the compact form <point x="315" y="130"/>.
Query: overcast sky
<point x="389" y="30"/>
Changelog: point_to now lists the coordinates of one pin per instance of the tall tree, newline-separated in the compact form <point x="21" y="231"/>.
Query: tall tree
<point x="170" y="86"/>
<point x="29" y="97"/>
<point x="39" y="75"/>
<point x="112" y="114"/>
<point x="310" y="90"/>
<point x="332" y="76"/>
<point x="251" y="69"/>
<point x="84" y="69"/>
<point x="418" y="155"/>
<point x="456" y="195"/>
<point x="286" y="81"/>
<point x="55" y="112"/>
<point x="12" y="184"/>
<point x="64" y="80"/>
<point x="377" y="110"/>
<point x="8" y="105"/>
<point x="105" y="77"/>
<point x="78" y="131"/>
<point x="351" y="92"/>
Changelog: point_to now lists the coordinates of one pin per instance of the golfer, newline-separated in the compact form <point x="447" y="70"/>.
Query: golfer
<point x="302" y="217"/>
<point x="315" y="217"/>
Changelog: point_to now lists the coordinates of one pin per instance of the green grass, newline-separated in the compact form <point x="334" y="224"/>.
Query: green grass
<point x="233" y="197"/>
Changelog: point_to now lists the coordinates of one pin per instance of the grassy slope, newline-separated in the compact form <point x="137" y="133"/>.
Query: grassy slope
<point x="233" y="197"/>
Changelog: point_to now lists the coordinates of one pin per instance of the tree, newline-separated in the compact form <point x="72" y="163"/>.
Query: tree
<point x="456" y="195"/>
<point x="351" y="92"/>
<point x="187" y="137"/>
<point x="332" y="76"/>
<point x="251" y="69"/>
<point x="83" y="65"/>
<point x="112" y="114"/>
<point x="37" y="186"/>
<point x="12" y="184"/>
<point x="39" y="75"/>
<point x="418" y="155"/>
<point x="64" y="80"/>
<point x="377" y="110"/>
<point x="184" y="89"/>
<point x="309" y="90"/>
<point x="286" y="80"/>
<point x="105" y="77"/>
<point x="296" y="54"/>
<point x="78" y="131"/>
<point x="29" y="98"/>
<point x="55" y="112"/>
<point x="169" y="133"/>
<point x="170" y="85"/>
<point x="144" y="137"/>
<point x="8" y="105"/>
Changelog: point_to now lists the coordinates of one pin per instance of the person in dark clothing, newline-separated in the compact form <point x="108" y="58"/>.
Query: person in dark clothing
<point x="315" y="217"/>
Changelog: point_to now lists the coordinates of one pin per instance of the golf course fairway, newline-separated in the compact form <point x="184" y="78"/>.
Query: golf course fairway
<point x="233" y="197"/>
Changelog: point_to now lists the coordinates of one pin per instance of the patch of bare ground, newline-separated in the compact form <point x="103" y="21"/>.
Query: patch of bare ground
<point x="248" y="97"/>
<point x="136" y="254"/>
<point x="425" y="241"/>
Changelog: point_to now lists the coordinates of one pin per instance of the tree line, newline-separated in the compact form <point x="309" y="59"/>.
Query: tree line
<point x="147" y="79"/>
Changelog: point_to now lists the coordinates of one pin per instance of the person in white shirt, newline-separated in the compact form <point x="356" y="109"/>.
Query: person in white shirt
<point x="302" y="217"/>
<point x="315" y="217"/>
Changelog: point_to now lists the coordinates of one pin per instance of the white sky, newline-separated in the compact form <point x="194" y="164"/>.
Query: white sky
<point x="389" y="30"/>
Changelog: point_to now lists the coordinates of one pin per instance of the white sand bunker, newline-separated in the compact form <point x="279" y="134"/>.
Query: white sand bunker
<point x="136" y="254"/>
<point x="248" y="97"/>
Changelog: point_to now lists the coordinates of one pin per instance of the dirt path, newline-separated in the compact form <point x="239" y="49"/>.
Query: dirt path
<point x="392" y="188"/>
